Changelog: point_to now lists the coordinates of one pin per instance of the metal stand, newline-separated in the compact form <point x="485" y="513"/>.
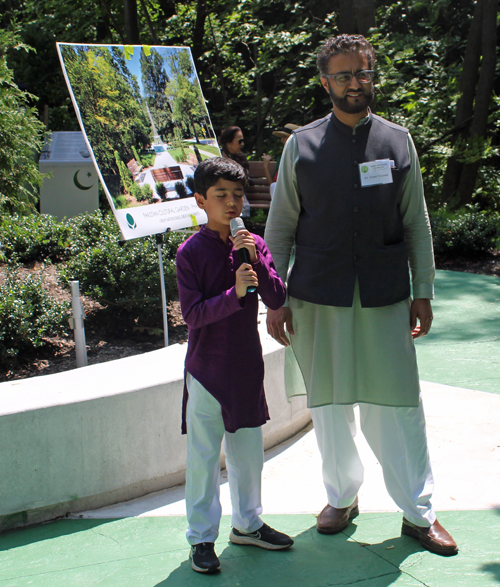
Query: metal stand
<point x="76" y="323"/>
<point x="159" y="242"/>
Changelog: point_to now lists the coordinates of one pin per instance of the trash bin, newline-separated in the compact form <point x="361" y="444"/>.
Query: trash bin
<point x="73" y="187"/>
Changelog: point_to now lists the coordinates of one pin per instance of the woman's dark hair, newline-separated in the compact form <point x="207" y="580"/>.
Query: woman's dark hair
<point x="227" y="135"/>
<point x="211" y="170"/>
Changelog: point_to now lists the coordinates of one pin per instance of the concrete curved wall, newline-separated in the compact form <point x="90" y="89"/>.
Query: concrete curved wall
<point x="110" y="432"/>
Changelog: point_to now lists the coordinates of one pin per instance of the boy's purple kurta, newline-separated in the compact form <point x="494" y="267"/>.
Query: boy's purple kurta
<point x="224" y="352"/>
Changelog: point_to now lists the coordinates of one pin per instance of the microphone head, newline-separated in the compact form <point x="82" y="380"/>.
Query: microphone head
<point x="235" y="225"/>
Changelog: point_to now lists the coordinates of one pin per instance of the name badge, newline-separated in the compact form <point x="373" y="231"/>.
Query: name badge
<point x="376" y="172"/>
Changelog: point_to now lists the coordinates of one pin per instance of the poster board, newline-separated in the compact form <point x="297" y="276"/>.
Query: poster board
<point x="146" y="125"/>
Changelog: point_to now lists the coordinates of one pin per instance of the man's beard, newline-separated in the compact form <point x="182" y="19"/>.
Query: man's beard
<point x="343" y="104"/>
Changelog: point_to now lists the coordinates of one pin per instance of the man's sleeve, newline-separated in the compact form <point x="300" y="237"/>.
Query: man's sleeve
<point x="418" y="236"/>
<point x="285" y="209"/>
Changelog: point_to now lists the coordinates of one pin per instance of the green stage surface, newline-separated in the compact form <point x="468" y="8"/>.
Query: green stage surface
<point x="152" y="552"/>
<point x="463" y="347"/>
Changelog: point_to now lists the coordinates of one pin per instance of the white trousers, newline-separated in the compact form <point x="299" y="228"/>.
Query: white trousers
<point x="397" y="437"/>
<point x="244" y="462"/>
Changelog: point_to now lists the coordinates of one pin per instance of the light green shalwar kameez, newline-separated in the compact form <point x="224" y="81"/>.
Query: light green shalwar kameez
<point x="352" y="355"/>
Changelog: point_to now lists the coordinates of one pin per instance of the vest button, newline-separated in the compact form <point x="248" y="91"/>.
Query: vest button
<point x="356" y="257"/>
<point x="354" y="141"/>
<point x="354" y="162"/>
<point x="356" y="209"/>
<point x="356" y="233"/>
<point x="355" y="186"/>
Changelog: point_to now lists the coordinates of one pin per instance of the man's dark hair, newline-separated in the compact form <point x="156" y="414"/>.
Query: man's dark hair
<point x="344" y="44"/>
<point x="209" y="172"/>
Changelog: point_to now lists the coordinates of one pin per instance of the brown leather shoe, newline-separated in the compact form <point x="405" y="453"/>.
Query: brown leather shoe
<point x="333" y="520"/>
<point x="436" y="538"/>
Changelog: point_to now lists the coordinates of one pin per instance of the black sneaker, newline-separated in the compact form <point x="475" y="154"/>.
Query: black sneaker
<point x="203" y="558"/>
<point x="265" y="537"/>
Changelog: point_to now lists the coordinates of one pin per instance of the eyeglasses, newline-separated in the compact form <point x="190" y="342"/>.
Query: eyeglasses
<point x="344" y="79"/>
<point x="241" y="141"/>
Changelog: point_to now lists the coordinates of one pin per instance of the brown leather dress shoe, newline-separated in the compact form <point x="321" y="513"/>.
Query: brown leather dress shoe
<point x="436" y="538"/>
<point x="333" y="520"/>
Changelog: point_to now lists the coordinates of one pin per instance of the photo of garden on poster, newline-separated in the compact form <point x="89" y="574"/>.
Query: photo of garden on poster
<point x="144" y="118"/>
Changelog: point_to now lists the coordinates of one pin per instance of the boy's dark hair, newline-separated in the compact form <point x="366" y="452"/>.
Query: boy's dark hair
<point x="211" y="170"/>
<point x="344" y="44"/>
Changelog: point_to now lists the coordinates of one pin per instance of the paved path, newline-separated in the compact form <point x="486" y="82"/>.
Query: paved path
<point x="141" y="543"/>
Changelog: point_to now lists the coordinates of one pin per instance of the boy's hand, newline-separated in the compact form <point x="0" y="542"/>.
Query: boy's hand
<point x="245" y="240"/>
<point x="245" y="277"/>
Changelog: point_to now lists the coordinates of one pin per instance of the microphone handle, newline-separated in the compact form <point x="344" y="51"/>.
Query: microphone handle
<point x="244" y="257"/>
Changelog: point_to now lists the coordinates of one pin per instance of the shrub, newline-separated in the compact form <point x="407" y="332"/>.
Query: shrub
<point x="28" y="314"/>
<point x="161" y="190"/>
<point x="181" y="189"/>
<point x="465" y="233"/>
<point x="147" y="192"/>
<point x="124" y="278"/>
<point x="35" y="237"/>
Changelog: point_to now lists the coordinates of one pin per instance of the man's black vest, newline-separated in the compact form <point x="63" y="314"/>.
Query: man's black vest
<point x="345" y="230"/>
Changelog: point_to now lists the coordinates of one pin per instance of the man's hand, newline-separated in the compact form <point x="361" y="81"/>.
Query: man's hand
<point x="245" y="278"/>
<point x="276" y="321"/>
<point x="420" y="310"/>
<point x="245" y="240"/>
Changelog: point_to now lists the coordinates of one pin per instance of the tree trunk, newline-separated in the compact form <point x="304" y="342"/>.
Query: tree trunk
<point x="258" y="88"/>
<point x="465" y="104"/>
<point x="483" y="98"/>
<point x="131" y="22"/>
<point x="346" y="17"/>
<point x="365" y="15"/>
<point x="199" y="30"/>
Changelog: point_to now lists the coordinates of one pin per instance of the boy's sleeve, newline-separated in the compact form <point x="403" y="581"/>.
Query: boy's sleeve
<point x="271" y="288"/>
<point x="196" y="311"/>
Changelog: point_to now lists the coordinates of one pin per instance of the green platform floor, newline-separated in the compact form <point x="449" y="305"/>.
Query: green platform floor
<point x="463" y="350"/>
<point x="463" y="346"/>
<point x="152" y="552"/>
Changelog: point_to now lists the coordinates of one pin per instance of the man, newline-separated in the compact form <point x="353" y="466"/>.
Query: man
<point x="349" y="197"/>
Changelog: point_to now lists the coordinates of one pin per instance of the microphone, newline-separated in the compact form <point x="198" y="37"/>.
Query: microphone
<point x="236" y="225"/>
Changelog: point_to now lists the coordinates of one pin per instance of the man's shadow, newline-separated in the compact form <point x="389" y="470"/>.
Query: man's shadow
<point x="315" y="559"/>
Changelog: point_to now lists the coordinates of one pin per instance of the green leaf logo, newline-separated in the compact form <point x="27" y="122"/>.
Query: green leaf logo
<point x="364" y="168"/>
<point x="131" y="222"/>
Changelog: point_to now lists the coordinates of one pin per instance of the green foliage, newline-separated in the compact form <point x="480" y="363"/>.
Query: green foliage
<point x="34" y="237"/>
<point x="161" y="189"/>
<point x="466" y="233"/>
<point x="125" y="278"/>
<point x="181" y="190"/>
<point x="21" y="137"/>
<point x="147" y="193"/>
<point x="136" y="155"/>
<point x="28" y="314"/>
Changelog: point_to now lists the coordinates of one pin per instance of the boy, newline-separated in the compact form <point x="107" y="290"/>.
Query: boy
<point x="223" y="392"/>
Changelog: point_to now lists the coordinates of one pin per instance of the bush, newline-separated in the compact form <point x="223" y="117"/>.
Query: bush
<point x="35" y="237"/>
<point x="465" y="233"/>
<point x="28" y="314"/>
<point x="124" y="278"/>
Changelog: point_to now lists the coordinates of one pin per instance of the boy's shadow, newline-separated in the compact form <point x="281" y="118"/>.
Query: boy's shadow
<point x="315" y="559"/>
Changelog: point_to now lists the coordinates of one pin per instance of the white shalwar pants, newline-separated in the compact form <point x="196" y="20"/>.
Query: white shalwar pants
<point x="244" y="462"/>
<point x="398" y="439"/>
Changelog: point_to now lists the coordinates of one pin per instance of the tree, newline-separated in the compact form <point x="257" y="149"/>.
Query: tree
<point x="463" y="165"/>
<point x="21" y="137"/>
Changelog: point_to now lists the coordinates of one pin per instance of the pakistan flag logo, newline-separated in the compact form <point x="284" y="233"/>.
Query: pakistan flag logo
<point x="364" y="168"/>
<point x="131" y="222"/>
